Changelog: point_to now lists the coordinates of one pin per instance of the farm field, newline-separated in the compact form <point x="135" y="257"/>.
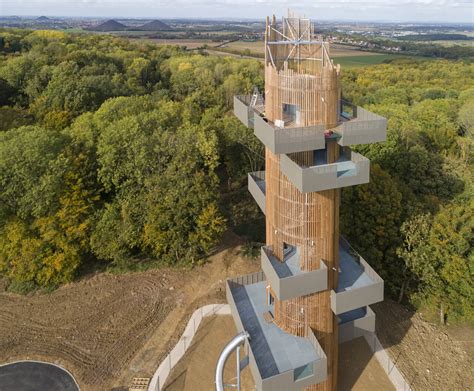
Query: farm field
<point x="189" y="43"/>
<point x="345" y="55"/>
<point x="257" y="47"/>
<point x="454" y="43"/>
<point x="346" y="62"/>
<point x="364" y="60"/>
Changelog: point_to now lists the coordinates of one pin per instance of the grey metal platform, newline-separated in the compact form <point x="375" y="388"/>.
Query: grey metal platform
<point x="287" y="279"/>
<point x="358" y="284"/>
<point x="350" y="316"/>
<point x="351" y="273"/>
<point x="256" y="187"/>
<point x="275" y="351"/>
<point x="291" y="265"/>
<point x="278" y="360"/>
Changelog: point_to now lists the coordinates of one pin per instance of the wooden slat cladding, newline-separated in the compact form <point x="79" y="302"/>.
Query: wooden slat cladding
<point x="317" y="96"/>
<point x="309" y="221"/>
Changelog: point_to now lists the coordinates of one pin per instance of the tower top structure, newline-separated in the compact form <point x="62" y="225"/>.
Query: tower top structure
<point x="292" y="44"/>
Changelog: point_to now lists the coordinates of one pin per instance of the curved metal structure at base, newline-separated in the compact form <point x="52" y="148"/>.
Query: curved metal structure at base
<point x="234" y="344"/>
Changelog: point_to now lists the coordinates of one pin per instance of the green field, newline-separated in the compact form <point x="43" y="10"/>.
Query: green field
<point x="348" y="57"/>
<point x="364" y="60"/>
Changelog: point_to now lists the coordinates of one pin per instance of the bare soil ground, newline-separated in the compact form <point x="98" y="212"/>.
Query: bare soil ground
<point x="92" y="328"/>
<point x="358" y="368"/>
<point x="196" y="370"/>
<point x="429" y="357"/>
<point x="106" y="328"/>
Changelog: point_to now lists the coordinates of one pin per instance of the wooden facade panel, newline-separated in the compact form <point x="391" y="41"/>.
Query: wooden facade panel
<point x="299" y="81"/>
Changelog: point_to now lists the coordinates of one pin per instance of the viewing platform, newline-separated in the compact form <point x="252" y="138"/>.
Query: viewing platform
<point x="360" y="126"/>
<point x="278" y="360"/>
<point x="287" y="279"/>
<point x="356" y="126"/>
<point x="350" y="169"/>
<point x="358" y="284"/>
<point x="355" y="323"/>
<point x="256" y="187"/>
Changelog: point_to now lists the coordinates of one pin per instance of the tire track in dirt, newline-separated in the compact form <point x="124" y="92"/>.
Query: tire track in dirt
<point x="107" y="328"/>
<point x="93" y="327"/>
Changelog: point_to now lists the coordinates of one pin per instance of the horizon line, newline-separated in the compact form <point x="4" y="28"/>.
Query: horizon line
<point x="230" y="18"/>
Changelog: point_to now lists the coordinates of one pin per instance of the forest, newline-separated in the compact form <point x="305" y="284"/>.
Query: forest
<point x="124" y="156"/>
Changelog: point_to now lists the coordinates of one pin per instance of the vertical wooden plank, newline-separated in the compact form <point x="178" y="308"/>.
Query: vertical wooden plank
<point x="310" y="221"/>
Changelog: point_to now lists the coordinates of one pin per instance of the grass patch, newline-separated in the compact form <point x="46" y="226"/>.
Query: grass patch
<point x="362" y="61"/>
<point x="22" y="287"/>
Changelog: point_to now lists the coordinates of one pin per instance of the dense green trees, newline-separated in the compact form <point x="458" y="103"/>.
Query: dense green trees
<point x="127" y="155"/>
<point x="438" y="250"/>
<point x="371" y="217"/>
<point x="122" y="164"/>
<point x="46" y="206"/>
<point x="428" y="155"/>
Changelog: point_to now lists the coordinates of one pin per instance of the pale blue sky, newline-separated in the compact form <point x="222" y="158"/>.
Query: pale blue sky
<point x="385" y="10"/>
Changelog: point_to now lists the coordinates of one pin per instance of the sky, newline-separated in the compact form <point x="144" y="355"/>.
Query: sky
<point x="455" y="11"/>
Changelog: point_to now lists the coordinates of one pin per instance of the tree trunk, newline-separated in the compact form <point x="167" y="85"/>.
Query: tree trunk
<point x="402" y="291"/>
<point x="441" y="314"/>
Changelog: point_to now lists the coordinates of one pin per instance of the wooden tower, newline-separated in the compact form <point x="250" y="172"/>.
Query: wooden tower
<point x="314" y="288"/>
<point x="302" y="89"/>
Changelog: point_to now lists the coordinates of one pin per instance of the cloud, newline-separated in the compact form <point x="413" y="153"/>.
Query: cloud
<point x="238" y="3"/>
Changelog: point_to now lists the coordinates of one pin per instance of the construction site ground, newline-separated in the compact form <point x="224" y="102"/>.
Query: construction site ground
<point x="107" y="328"/>
<point x="358" y="368"/>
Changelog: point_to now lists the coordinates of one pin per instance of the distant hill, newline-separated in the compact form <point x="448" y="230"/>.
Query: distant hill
<point x="110" y="25"/>
<point x="42" y="19"/>
<point x="154" y="25"/>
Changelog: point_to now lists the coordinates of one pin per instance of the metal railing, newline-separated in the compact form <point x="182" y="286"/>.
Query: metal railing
<point x="360" y="260"/>
<point x="248" y="279"/>
<point x="258" y="175"/>
<point x="159" y="378"/>
<point x="348" y="110"/>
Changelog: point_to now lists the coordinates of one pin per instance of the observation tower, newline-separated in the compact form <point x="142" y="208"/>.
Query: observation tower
<point x="314" y="290"/>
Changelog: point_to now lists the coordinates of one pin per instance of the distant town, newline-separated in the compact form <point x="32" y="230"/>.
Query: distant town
<point x="431" y="40"/>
